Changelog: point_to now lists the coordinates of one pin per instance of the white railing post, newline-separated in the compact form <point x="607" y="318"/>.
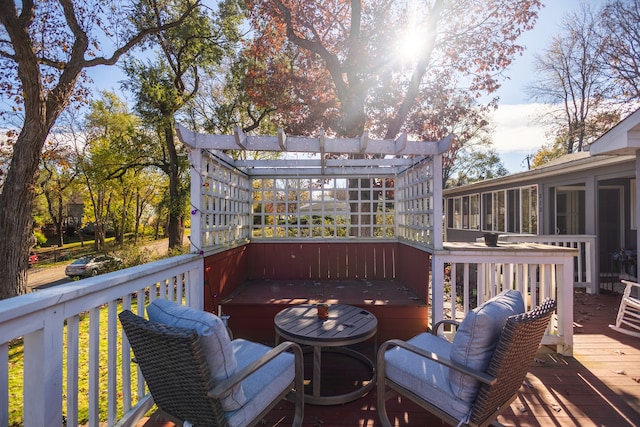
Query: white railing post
<point x="438" y="201"/>
<point x="565" y="316"/>
<point x="195" y="294"/>
<point x="437" y="287"/>
<point x="196" y="163"/>
<point x="43" y="372"/>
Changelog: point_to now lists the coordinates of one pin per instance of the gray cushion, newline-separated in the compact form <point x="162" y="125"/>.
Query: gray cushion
<point x="477" y="337"/>
<point x="426" y="378"/>
<point x="214" y="338"/>
<point x="261" y="387"/>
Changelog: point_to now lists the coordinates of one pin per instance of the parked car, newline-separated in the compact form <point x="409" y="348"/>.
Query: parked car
<point x="33" y="259"/>
<point x="88" y="266"/>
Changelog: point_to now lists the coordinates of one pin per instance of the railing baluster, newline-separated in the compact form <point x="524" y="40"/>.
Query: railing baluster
<point x="73" y="328"/>
<point x="94" y="366"/>
<point x="4" y="385"/>
<point x="125" y="358"/>
<point x="112" y="358"/>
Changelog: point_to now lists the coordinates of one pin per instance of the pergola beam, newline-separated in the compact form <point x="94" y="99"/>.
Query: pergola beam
<point x="241" y="138"/>
<point x="321" y="144"/>
<point x="282" y="139"/>
<point x="401" y="143"/>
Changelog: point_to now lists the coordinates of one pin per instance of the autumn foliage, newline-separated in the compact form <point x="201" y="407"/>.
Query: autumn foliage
<point x="384" y="66"/>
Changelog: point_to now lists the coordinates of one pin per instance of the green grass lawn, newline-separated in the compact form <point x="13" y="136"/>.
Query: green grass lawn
<point x="131" y="255"/>
<point x="16" y="398"/>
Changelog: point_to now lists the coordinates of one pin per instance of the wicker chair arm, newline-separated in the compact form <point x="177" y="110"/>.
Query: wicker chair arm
<point x="443" y="360"/>
<point x="437" y="326"/>
<point x="221" y="388"/>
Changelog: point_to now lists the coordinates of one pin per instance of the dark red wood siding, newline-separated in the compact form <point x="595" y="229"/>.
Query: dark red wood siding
<point x="327" y="261"/>
<point x="223" y="273"/>
<point x="413" y="269"/>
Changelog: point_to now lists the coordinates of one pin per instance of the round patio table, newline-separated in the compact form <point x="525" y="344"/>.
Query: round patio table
<point x="346" y="325"/>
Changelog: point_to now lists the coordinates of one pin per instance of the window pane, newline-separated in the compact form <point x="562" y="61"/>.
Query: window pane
<point x="457" y="213"/>
<point x="499" y="211"/>
<point x="465" y="212"/>
<point x="513" y="209"/>
<point x="474" y="210"/>
<point x="487" y="208"/>
<point x="530" y="210"/>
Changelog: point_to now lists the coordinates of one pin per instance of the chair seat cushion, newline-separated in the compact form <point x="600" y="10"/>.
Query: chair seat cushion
<point x="214" y="338"/>
<point x="264" y="385"/>
<point x="476" y="339"/>
<point x="426" y="378"/>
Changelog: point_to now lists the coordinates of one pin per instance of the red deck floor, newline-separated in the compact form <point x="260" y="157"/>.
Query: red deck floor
<point x="598" y="386"/>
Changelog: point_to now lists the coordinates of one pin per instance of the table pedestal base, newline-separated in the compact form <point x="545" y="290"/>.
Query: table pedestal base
<point x="316" y="398"/>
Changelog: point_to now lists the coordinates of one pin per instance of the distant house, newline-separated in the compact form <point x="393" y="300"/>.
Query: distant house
<point x="581" y="194"/>
<point x="326" y="207"/>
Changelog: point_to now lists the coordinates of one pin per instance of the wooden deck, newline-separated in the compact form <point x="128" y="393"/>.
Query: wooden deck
<point x="254" y="304"/>
<point x="598" y="386"/>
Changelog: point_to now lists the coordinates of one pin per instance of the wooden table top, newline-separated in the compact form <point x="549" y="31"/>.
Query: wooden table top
<point x="346" y="325"/>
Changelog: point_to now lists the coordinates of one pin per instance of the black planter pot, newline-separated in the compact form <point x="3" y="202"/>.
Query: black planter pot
<point x="491" y="239"/>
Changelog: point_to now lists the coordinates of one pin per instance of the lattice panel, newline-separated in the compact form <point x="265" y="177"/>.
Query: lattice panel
<point x="224" y="203"/>
<point x="415" y="189"/>
<point x="323" y="207"/>
<point x="235" y="206"/>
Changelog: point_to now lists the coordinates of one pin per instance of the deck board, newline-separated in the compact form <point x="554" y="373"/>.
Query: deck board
<point x="356" y="292"/>
<point x="253" y="305"/>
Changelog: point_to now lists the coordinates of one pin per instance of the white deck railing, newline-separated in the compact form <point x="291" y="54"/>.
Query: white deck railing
<point x="48" y="322"/>
<point x="473" y="273"/>
<point x="584" y="267"/>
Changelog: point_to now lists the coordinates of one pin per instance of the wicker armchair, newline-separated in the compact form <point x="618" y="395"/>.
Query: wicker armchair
<point x="174" y="365"/>
<point x="428" y="380"/>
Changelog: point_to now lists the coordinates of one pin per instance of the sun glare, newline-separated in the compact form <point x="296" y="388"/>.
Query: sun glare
<point x="411" y="37"/>
<point x="410" y="46"/>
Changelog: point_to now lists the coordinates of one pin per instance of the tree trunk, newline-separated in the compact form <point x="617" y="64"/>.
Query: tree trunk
<point x="175" y="206"/>
<point x="16" y="207"/>
<point x="60" y="222"/>
<point x="136" y="227"/>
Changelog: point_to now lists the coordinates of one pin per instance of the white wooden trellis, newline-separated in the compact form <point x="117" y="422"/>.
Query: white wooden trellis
<point x="298" y="197"/>
<point x="274" y="199"/>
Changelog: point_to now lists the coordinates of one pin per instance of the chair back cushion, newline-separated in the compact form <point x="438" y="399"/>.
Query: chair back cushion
<point x="214" y="339"/>
<point x="518" y="344"/>
<point x="477" y="337"/>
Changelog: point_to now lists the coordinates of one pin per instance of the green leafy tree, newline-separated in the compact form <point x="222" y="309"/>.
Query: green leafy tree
<point x="147" y="185"/>
<point x="163" y="87"/>
<point x="57" y="181"/>
<point x="222" y="103"/>
<point x="45" y="47"/>
<point x="545" y="154"/>
<point x="472" y="156"/>
<point x="116" y="149"/>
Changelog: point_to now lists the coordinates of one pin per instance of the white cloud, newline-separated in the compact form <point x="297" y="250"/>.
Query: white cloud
<point x="516" y="133"/>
